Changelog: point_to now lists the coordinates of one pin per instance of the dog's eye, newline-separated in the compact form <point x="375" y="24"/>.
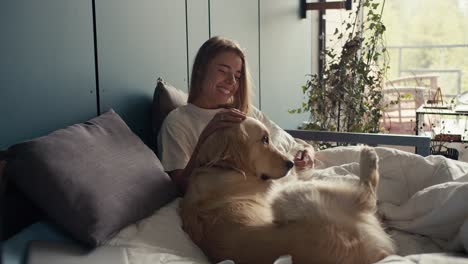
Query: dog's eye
<point x="265" y="140"/>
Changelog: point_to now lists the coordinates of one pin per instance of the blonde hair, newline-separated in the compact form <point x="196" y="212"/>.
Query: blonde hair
<point x="207" y="52"/>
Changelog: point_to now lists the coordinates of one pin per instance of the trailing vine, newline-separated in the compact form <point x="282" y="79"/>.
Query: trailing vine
<point x="348" y="95"/>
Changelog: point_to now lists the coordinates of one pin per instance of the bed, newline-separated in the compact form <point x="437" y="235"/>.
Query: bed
<point x="422" y="198"/>
<point x="423" y="216"/>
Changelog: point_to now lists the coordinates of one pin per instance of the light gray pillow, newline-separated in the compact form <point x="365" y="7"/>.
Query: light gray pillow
<point x="93" y="178"/>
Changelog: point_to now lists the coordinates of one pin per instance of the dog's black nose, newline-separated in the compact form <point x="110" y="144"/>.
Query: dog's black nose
<point x="289" y="164"/>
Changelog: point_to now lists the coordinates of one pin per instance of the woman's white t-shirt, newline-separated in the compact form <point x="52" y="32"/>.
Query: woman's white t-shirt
<point x="182" y="127"/>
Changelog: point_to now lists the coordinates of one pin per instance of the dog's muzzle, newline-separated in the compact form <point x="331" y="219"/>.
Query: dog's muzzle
<point x="288" y="164"/>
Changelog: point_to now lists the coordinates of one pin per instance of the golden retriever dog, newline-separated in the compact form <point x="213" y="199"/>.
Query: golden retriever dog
<point x="235" y="209"/>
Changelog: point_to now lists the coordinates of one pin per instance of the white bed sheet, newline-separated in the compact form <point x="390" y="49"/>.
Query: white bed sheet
<point x="159" y="239"/>
<point x="424" y="202"/>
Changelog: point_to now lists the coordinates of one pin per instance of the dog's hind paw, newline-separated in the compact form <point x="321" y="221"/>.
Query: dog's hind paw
<point x="369" y="166"/>
<point x="369" y="156"/>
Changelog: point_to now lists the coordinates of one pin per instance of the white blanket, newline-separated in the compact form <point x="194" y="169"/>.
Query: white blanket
<point x="424" y="202"/>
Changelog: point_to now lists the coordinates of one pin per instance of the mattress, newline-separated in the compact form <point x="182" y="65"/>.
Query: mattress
<point x="46" y="252"/>
<point x="14" y="249"/>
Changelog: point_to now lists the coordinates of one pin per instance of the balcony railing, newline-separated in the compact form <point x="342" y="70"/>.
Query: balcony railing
<point x="437" y="62"/>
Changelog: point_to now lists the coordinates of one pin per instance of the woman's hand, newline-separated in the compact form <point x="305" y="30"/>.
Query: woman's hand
<point x="303" y="160"/>
<point x="224" y="118"/>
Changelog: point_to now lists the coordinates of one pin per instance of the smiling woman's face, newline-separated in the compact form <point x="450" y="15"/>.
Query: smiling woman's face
<point x="221" y="81"/>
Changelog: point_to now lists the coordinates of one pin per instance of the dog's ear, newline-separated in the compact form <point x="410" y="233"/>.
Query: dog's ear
<point x="212" y="149"/>
<point x="236" y="153"/>
<point x="223" y="146"/>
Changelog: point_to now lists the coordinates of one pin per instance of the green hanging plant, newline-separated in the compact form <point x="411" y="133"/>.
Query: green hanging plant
<point x="348" y="95"/>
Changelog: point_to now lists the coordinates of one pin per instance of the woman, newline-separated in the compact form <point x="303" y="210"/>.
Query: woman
<point x="219" y="97"/>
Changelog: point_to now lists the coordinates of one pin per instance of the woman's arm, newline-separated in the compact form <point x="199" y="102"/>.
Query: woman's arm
<point x="181" y="177"/>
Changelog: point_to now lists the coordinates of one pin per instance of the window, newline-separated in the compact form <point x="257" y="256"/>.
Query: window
<point x="429" y="37"/>
<point x="424" y="37"/>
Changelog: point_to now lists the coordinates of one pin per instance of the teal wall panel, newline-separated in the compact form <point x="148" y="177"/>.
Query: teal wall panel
<point x="139" y="41"/>
<point x="47" y="78"/>
<point x="225" y="21"/>
<point x="286" y="58"/>
<point x="47" y="63"/>
<point x="197" y="28"/>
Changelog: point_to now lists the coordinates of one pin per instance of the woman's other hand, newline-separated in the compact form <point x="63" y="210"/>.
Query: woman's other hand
<point x="303" y="160"/>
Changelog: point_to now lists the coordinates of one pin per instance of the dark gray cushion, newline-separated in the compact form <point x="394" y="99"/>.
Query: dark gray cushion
<point x="165" y="99"/>
<point x="92" y="178"/>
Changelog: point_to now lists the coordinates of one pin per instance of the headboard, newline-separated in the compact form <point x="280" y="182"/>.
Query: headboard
<point x="422" y="144"/>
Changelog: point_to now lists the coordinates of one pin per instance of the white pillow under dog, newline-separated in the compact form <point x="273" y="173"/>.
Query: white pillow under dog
<point x="159" y="239"/>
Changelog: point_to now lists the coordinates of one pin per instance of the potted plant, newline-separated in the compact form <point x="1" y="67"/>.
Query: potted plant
<point x="347" y="96"/>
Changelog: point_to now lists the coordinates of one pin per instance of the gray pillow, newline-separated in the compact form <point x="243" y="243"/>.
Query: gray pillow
<point x="93" y="178"/>
<point x="165" y="99"/>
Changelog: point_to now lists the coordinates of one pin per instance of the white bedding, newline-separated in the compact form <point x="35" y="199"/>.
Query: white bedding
<point x="424" y="202"/>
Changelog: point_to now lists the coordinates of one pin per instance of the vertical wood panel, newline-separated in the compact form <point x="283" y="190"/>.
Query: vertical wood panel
<point x="238" y="20"/>
<point x="47" y="76"/>
<point x="198" y="28"/>
<point x="139" y="41"/>
<point x="286" y="58"/>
